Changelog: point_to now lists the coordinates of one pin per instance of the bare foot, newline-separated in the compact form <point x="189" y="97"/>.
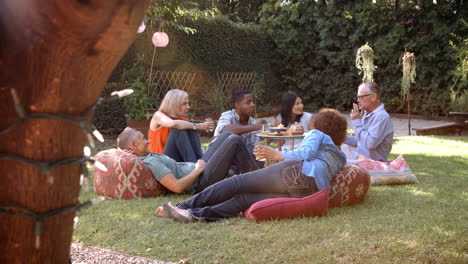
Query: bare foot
<point x="159" y="212"/>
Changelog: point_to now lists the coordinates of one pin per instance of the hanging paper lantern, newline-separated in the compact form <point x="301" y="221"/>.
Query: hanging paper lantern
<point x="160" y="39"/>
<point x="142" y="27"/>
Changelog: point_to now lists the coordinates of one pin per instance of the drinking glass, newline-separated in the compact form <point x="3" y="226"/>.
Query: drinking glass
<point x="298" y="126"/>
<point x="210" y="120"/>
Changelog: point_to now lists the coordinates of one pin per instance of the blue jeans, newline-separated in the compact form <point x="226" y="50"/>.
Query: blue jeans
<point x="183" y="145"/>
<point x="231" y="196"/>
<point x="229" y="149"/>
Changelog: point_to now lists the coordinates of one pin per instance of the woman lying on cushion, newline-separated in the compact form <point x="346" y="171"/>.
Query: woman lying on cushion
<point x="292" y="113"/>
<point x="307" y="170"/>
<point x="170" y="133"/>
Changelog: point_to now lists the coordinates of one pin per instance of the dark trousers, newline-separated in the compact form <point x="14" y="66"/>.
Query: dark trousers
<point x="183" y="145"/>
<point x="229" y="149"/>
<point x="231" y="196"/>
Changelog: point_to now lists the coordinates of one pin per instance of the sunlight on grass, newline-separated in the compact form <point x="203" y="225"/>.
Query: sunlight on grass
<point x="421" y="193"/>
<point x="442" y="232"/>
<point x="434" y="146"/>
<point x="411" y="243"/>
<point x="419" y="223"/>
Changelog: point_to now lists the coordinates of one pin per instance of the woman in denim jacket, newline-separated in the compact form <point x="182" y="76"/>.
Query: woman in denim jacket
<point x="306" y="170"/>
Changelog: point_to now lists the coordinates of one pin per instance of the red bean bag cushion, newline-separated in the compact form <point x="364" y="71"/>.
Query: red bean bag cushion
<point x="126" y="177"/>
<point x="275" y="208"/>
<point x="349" y="186"/>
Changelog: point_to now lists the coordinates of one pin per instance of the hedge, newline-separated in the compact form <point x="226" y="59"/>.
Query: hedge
<point x="219" y="45"/>
<point x="310" y="48"/>
<point x="316" y="47"/>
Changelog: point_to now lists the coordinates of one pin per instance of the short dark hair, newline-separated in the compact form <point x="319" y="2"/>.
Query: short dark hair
<point x="287" y="103"/>
<point x="333" y="123"/>
<point x="239" y="96"/>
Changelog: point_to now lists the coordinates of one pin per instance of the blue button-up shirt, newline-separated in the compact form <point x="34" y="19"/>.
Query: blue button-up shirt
<point x="373" y="135"/>
<point x="322" y="159"/>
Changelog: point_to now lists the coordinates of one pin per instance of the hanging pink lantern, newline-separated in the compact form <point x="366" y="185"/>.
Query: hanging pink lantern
<point x="160" y="39"/>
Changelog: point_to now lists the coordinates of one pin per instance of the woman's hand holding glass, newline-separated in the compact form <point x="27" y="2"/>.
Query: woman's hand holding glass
<point x="208" y="125"/>
<point x="265" y="152"/>
<point x="298" y="127"/>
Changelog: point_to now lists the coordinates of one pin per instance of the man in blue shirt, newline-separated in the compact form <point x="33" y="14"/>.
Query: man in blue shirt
<point x="373" y="127"/>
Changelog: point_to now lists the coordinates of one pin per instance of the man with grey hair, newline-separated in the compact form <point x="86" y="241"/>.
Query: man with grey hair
<point x="190" y="177"/>
<point x="373" y="127"/>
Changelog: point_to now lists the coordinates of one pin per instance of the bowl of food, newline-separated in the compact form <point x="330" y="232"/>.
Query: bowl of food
<point x="278" y="129"/>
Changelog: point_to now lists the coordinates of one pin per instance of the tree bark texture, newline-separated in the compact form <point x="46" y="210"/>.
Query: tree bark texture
<point x="57" y="54"/>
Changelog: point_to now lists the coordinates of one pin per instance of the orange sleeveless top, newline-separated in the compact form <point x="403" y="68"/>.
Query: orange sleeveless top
<point x="157" y="138"/>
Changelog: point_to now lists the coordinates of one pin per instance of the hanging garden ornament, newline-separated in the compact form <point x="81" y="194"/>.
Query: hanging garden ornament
<point x="142" y="27"/>
<point x="160" y="39"/>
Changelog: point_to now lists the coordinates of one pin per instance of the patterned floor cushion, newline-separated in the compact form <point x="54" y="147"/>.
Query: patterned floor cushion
<point x="349" y="186"/>
<point x="126" y="176"/>
<point x="394" y="172"/>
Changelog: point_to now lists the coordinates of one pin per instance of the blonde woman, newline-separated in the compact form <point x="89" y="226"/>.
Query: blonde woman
<point x="171" y="133"/>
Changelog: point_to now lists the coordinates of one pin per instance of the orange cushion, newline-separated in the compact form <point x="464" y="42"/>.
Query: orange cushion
<point x="275" y="208"/>
<point x="349" y="186"/>
<point x="127" y="177"/>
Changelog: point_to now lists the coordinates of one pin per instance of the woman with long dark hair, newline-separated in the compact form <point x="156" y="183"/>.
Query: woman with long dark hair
<point x="292" y="113"/>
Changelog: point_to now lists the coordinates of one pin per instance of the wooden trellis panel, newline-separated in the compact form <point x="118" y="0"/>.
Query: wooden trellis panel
<point x="236" y="81"/>
<point x="231" y="82"/>
<point x="167" y="80"/>
<point x="206" y="93"/>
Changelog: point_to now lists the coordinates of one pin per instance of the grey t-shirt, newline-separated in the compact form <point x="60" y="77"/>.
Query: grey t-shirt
<point x="161" y="165"/>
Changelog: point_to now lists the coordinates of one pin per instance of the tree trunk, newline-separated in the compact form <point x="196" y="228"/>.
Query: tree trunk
<point x="409" y="114"/>
<point x="57" y="54"/>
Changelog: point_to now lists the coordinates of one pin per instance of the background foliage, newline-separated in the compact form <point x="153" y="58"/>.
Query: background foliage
<point x="316" y="46"/>
<point x="219" y="45"/>
<point x="308" y="47"/>
<point x="108" y="117"/>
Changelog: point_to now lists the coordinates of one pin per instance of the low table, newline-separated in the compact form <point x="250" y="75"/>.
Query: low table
<point x="270" y="162"/>
<point x="279" y="137"/>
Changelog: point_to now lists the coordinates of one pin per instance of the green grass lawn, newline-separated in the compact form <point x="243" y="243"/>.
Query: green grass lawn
<point x="420" y="223"/>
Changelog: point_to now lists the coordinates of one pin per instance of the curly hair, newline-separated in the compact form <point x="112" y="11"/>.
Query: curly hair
<point x="333" y="123"/>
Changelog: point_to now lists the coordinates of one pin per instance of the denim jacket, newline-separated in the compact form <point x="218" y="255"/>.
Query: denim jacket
<point x="322" y="159"/>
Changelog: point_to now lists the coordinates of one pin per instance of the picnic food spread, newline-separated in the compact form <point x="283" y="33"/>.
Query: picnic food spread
<point x="280" y="130"/>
